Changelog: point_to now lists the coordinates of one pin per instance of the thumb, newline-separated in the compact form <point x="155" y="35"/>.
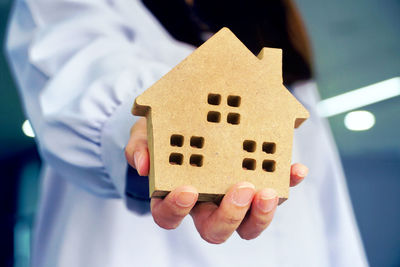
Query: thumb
<point x="136" y="151"/>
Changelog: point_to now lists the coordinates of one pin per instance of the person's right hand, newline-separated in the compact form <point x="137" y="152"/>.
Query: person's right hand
<point x="242" y="209"/>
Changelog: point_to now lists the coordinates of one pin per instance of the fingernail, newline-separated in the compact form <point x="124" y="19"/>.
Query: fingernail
<point x="243" y="194"/>
<point x="302" y="172"/>
<point x="267" y="200"/>
<point x="185" y="199"/>
<point x="137" y="157"/>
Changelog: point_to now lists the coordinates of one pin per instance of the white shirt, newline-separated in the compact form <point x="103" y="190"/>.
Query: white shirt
<point x="79" y="65"/>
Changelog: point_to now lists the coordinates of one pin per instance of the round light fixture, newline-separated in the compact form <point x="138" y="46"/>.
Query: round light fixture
<point x="27" y="129"/>
<point x="360" y="120"/>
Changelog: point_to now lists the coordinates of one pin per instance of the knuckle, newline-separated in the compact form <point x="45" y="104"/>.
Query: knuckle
<point x="168" y="215"/>
<point x="177" y="213"/>
<point x="173" y="210"/>
<point x="127" y="154"/>
<point x="261" y="223"/>
<point x="231" y="219"/>
<point x="128" y="151"/>
<point x="139" y="138"/>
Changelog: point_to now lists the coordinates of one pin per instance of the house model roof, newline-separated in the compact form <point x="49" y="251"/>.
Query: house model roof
<point x="219" y="117"/>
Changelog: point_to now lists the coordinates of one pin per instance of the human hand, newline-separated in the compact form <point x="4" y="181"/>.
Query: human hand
<point x="242" y="209"/>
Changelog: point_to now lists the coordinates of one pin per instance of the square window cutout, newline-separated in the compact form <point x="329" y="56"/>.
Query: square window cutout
<point x="196" y="160"/>
<point x="197" y="141"/>
<point x="234" y="100"/>
<point x="233" y="118"/>
<point x="214" y="116"/>
<point x="176" y="140"/>
<point x="214" y="99"/>
<point x="249" y="145"/>
<point x="268" y="165"/>
<point x="269" y="148"/>
<point x="176" y="159"/>
<point x="249" y="164"/>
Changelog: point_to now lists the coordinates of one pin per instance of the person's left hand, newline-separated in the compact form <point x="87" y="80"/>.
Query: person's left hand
<point x="242" y="209"/>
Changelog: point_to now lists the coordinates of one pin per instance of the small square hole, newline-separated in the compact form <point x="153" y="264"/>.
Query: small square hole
<point x="268" y="147"/>
<point x="268" y="165"/>
<point x="233" y="118"/>
<point x="176" y="140"/>
<point x="249" y="164"/>
<point x="196" y="160"/>
<point x="176" y="159"/>
<point x="249" y="146"/>
<point x="234" y="101"/>
<point x="197" y="141"/>
<point x="214" y="116"/>
<point x="214" y="99"/>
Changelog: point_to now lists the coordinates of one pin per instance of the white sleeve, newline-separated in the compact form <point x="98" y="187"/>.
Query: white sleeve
<point x="327" y="181"/>
<point x="94" y="58"/>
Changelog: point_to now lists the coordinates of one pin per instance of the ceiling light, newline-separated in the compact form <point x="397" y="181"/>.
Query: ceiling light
<point x="27" y="129"/>
<point x="360" y="120"/>
<point x="359" y="97"/>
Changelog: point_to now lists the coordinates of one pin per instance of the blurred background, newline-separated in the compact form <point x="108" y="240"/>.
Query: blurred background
<point x="355" y="43"/>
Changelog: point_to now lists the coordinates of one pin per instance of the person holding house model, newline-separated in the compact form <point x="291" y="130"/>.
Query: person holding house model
<point x="79" y="65"/>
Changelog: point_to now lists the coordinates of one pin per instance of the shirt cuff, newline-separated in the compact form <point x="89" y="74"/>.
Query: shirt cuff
<point x="115" y="135"/>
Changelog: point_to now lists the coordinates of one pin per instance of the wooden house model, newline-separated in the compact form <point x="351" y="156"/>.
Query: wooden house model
<point x="219" y="117"/>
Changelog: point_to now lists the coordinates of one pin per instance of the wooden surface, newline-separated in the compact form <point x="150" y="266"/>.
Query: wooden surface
<point x="219" y="117"/>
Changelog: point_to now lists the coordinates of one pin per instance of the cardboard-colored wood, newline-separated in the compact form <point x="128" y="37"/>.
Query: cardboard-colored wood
<point x="219" y="117"/>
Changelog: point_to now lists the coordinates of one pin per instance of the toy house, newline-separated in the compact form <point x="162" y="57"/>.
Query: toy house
<point x="219" y="117"/>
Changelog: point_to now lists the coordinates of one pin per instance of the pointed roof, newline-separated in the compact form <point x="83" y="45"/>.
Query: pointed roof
<point x="225" y="48"/>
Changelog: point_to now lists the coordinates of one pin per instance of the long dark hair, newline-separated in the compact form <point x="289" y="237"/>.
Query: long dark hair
<point x="257" y="23"/>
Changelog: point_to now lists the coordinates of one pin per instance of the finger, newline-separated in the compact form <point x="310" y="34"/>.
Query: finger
<point x="136" y="151"/>
<point x="216" y="225"/>
<point x="170" y="211"/>
<point x="297" y="173"/>
<point x="261" y="214"/>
